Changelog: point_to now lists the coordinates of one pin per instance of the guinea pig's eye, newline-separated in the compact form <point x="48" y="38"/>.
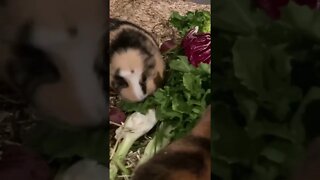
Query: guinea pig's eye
<point x="144" y="78"/>
<point x="119" y="83"/>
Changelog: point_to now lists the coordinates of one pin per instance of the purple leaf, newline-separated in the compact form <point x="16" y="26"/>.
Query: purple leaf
<point x="116" y="115"/>
<point x="168" y="45"/>
<point x="197" y="47"/>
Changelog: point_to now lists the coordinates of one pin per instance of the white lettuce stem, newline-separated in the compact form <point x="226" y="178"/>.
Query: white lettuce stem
<point x="156" y="143"/>
<point x="119" y="156"/>
<point x="135" y="126"/>
<point x="113" y="170"/>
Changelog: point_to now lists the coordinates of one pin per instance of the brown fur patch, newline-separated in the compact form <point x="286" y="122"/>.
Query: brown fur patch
<point x="158" y="80"/>
<point x="113" y="34"/>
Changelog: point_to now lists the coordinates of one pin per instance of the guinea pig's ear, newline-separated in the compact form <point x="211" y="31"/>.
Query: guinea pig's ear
<point x="29" y="68"/>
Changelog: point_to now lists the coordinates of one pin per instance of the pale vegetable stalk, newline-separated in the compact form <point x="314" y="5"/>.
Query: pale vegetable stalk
<point x="134" y="127"/>
<point x="160" y="140"/>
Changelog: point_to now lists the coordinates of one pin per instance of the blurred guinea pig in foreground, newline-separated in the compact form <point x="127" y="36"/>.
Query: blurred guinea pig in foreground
<point x="52" y="52"/>
<point x="136" y="64"/>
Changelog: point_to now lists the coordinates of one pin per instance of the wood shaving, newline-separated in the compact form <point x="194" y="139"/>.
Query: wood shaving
<point x="152" y="15"/>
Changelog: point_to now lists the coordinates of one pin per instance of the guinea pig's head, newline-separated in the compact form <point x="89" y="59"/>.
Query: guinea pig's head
<point x="135" y="75"/>
<point x="136" y="64"/>
<point x="55" y="58"/>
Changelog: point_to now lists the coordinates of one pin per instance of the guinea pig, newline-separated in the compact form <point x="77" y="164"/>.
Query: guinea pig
<point x="136" y="64"/>
<point x="188" y="158"/>
<point x="52" y="53"/>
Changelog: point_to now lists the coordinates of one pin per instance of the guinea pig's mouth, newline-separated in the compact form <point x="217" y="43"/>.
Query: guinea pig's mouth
<point x="134" y="98"/>
<point x="142" y="98"/>
<point x="137" y="100"/>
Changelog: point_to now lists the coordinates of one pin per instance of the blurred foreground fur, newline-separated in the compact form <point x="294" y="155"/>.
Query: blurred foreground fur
<point x="187" y="158"/>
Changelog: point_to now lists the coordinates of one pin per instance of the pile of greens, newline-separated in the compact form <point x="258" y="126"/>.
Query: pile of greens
<point x="187" y="90"/>
<point x="183" y="23"/>
<point x="266" y="96"/>
<point x="181" y="101"/>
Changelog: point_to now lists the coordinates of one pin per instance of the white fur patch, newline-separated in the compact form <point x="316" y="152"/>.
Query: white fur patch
<point x="133" y="78"/>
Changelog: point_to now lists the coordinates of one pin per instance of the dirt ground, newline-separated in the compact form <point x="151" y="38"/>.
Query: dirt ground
<point x="152" y="15"/>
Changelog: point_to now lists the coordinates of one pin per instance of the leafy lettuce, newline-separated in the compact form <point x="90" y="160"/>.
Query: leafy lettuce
<point x="183" y="23"/>
<point x="182" y="100"/>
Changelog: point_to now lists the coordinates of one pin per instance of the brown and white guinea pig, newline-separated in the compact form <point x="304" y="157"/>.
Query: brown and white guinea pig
<point x="52" y="52"/>
<point x="136" y="64"/>
<point x="187" y="158"/>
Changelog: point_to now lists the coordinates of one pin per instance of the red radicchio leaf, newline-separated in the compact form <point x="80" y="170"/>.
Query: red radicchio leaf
<point x="197" y="47"/>
<point x="168" y="45"/>
<point x="116" y="115"/>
